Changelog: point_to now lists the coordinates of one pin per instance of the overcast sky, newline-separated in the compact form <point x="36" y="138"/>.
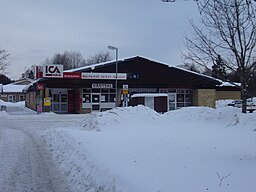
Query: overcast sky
<point x="32" y="30"/>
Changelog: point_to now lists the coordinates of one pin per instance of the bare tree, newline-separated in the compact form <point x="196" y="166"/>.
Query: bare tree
<point x="73" y="59"/>
<point x="99" y="58"/>
<point x="228" y="31"/>
<point x="4" y="60"/>
<point x="69" y="59"/>
<point x="29" y="72"/>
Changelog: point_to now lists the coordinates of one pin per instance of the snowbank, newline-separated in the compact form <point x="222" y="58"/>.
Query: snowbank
<point x="136" y="149"/>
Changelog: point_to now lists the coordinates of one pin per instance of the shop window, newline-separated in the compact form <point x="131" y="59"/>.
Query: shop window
<point x="104" y="90"/>
<point x="95" y="90"/>
<point x="180" y="98"/>
<point x="86" y="98"/>
<point x="64" y="98"/>
<point x="112" y="90"/>
<point x="104" y="98"/>
<point x="86" y="90"/>
<point x="112" y="97"/>
<point x="163" y="90"/>
<point x="56" y="107"/>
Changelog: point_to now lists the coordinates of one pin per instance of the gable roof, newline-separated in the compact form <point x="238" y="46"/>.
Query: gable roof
<point x="113" y="62"/>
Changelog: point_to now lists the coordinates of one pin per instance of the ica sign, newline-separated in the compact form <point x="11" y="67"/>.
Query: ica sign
<point x="53" y="71"/>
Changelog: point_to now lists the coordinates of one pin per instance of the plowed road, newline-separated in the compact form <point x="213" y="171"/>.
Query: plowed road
<point x="25" y="162"/>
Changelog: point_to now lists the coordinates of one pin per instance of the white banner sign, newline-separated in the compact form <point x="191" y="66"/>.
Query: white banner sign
<point x="53" y="71"/>
<point x="109" y="76"/>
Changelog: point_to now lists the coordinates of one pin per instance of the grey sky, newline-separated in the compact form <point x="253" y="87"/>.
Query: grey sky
<point x="32" y="30"/>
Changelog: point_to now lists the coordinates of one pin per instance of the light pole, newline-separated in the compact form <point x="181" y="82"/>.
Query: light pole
<point x="116" y="49"/>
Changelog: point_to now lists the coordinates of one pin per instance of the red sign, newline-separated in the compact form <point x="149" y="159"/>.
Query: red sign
<point x="72" y="75"/>
<point x="39" y="86"/>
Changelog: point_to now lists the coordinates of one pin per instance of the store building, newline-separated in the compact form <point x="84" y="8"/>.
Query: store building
<point x="93" y="88"/>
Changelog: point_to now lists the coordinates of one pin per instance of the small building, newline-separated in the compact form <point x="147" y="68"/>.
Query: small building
<point x="157" y="101"/>
<point x="14" y="92"/>
<point x="94" y="88"/>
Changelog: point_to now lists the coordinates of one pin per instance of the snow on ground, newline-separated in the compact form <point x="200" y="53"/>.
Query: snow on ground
<point x="137" y="149"/>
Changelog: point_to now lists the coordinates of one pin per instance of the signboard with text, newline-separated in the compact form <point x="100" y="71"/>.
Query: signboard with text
<point x="47" y="102"/>
<point x="72" y="75"/>
<point x="107" y="76"/>
<point x="53" y="71"/>
<point x="39" y="86"/>
<point x="102" y="86"/>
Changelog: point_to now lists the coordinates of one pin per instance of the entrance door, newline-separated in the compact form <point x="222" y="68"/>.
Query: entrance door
<point x="149" y="102"/>
<point x="95" y="102"/>
<point x="60" y="103"/>
<point x="71" y="101"/>
<point x="172" y="101"/>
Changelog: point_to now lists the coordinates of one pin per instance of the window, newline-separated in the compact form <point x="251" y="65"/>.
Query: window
<point x="184" y="98"/>
<point x="22" y="98"/>
<point x="11" y="98"/>
<point x="104" y="98"/>
<point x="64" y="98"/>
<point x="112" y="97"/>
<point x="104" y="95"/>
<point x="86" y="95"/>
<point x="56" y="98"/>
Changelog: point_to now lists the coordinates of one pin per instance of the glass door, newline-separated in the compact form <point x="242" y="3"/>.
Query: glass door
<point x="172" y="101"/>
<point x="95" y="102"/>
<point x="149" y="102"/>
<point x="60" y="103"/>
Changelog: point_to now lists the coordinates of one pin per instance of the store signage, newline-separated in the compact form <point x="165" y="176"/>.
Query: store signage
<point x="71" y="75"/>
<point x="125" y="87"/>
<point x="39" y="86"/>
<point x="125" y="92"/>
<point x="53" y="71"/>
<point x="108" y="76"/>
<point x="47" y="102"/>
<point x="102" y="86"/>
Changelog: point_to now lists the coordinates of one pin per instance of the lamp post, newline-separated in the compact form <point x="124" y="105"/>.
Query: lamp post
<point x="116" y="49"/>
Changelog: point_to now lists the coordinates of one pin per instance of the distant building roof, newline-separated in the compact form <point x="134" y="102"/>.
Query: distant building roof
<point x="11" y="88"/>
<point x="23" y="81"/>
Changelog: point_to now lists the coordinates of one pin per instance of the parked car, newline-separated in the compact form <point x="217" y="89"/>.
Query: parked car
<point x="250" y="105"/>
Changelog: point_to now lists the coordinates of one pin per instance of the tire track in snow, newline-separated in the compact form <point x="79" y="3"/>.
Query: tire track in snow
<point x="25" y="164"/>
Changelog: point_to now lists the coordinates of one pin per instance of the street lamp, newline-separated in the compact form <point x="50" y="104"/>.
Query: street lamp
<point x="116" y="49"/>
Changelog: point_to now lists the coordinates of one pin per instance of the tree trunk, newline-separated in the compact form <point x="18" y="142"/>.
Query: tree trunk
<point x="243" y="94"/>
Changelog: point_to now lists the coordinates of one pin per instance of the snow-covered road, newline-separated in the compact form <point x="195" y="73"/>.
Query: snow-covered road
<point x="26" y="164"/>
<point x="128" y="149"/>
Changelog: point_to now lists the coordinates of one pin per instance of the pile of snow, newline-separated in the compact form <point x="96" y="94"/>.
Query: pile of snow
<point x="137" y="149"/>
<point x="17" y="108"/>
<point x="223" y="103"/>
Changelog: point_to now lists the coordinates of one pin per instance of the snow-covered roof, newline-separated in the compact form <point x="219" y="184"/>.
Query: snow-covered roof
<point x="29" y="85"/>
<point x="23" y="81"/>
<point x="149" y="95"/>
<point x="230" y="84"/>
<point x="10" y="88"/>
<point x="93" y="66"/>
